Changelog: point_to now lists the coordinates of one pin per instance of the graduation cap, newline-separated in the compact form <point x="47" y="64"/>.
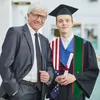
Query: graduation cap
<point x="63" y="10"/>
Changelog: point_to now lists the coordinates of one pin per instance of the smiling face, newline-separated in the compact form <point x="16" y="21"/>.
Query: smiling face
<point x="36" y="19"/>
<point x="64" y="24"/>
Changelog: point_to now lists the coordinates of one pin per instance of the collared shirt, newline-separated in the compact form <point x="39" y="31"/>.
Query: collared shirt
<point x="66" y="41"/>
<point x="32" y="75"/>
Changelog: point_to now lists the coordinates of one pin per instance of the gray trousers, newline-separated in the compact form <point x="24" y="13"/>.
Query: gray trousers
<point x="27" y="92"/>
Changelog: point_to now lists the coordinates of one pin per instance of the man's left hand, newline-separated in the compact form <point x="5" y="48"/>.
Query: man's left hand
<point x="67" y="79"/>
<point x="44" y="76"/>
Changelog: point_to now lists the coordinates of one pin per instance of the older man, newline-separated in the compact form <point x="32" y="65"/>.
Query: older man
<point x="25" y="62"/>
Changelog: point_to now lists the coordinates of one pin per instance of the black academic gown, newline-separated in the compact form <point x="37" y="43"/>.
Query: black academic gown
<point x="85" y="80"/>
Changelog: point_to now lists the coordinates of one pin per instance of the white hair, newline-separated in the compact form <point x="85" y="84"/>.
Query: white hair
<point x="37" y="6"/>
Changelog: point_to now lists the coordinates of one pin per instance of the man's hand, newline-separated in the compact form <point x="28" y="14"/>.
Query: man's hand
<point x="44" y="76"/>
<point x="65" y="79"/>
<point x="58" y="79"/>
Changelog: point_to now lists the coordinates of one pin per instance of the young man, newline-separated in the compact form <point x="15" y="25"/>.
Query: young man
<point x="73" y="58"/>
<point x="25" y="62"/>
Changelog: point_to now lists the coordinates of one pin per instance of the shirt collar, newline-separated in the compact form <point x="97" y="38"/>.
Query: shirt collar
<point x="67" y="39"/>
<point x="32" y="31"/>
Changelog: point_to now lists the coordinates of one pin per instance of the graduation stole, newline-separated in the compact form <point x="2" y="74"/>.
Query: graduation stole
<point x="55" y="46"/>
<point x="77" y="64"/>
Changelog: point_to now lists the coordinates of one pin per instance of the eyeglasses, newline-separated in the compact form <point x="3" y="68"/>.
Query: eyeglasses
<point x="37" y="16"/>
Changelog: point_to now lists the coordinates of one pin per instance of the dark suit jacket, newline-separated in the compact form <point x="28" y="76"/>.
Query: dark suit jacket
<point x="17" y="58"/>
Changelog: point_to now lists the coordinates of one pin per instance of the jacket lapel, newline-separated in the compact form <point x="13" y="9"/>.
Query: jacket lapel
<point x="43" y="51"/>
<point x="29" y="41"/>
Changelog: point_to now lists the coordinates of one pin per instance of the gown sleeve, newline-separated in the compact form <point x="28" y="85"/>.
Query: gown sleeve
<point x="86" y="79"/>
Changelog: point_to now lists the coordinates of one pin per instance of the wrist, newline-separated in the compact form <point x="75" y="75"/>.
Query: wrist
<point x="74" y="78"/>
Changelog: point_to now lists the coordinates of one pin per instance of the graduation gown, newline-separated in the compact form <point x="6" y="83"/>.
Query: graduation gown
<point x="85" y="80"/>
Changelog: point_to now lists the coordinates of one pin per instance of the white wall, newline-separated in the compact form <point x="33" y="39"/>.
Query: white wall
<point x="5" y="18"/>
<point x="19" y="12"/>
